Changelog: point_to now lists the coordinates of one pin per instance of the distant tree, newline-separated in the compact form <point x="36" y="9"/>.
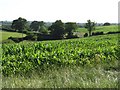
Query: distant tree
<point x="38" y="26"/>
<point x="70" y="27"/>
<point x="41" y="23"/>
<point x="57" y="29"/>
<point x="35" y="26"/>
<point x="19" y="24"/>
<point x="90" y="26"/>
<point x="106" y="24"/>
<point x="43" y="29"/>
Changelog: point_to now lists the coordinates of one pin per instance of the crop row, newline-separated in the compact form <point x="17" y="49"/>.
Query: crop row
<point x="22" y="58"/>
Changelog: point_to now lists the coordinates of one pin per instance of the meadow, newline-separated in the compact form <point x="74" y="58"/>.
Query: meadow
<point x="5" y="35"/>
<point x="105" y="29"/>
<point x="90" y="62"/>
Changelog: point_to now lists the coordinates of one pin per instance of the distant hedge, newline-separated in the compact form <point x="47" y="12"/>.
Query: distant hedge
<point x="9" y="30"/>
<point x="113" y="32"/>
<point x="97" y="33"/>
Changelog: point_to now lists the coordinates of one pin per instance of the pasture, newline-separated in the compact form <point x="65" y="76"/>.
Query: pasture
<point x="81" y="31"/>
<point x="5" y="35"/>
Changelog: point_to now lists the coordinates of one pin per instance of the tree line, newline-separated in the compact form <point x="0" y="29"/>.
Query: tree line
<point x="57" y="30"/>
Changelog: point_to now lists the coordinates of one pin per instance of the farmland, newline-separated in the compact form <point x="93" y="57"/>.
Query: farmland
<point x="62" y="63"/>
<point x="105" y="29"/>
<point x="6" y="35"/>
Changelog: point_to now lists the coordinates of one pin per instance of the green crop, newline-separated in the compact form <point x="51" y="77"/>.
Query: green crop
<point x="24" y="57"/>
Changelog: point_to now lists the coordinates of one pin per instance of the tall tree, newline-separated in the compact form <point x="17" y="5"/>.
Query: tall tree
<point x="38" y="26"/>
<point x="19" y="24"/>
<point x="35" y="26"/>
<point x="90" y="26"/>
<point x="57" y="29"/>
<point x="70" y="27"/>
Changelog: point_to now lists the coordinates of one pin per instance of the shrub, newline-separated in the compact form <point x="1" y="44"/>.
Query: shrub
<point x="106" y="24"/>
<point x="113" y="32"/>
<point x="25" y="31"/>
<point x="86" y="34"/>
<point x="40" y="38"/>
<point x="17" y="40"/>
<point x="72" y="36"/>
<point x="97" y="33"/>
<point x="34" y="37"/>
<point x="31" y="37"/>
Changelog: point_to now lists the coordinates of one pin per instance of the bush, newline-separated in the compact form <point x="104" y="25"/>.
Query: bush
<point x="106" y="24"/>
<point x="34" y="37"/>
<point x="9" y="30"/>
<point x="25" y="31"/>
<point x="40" y="38"/>
<point x="44" y="30"/>
<point x="31" y="37"/>
<point x="97" y="33"/>
<point x="29" y="32"/>
<point x="72" y="36"/>
<point x="20" y="31"/>
<point x="113" y="32"/>
<point x="17" y="40"/>
<point x="86" y="34"/>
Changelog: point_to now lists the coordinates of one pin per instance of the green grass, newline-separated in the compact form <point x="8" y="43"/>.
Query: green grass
<point x="105" y="29"/>
<point x="5" y="35"/>
<point x="65" y="77"/>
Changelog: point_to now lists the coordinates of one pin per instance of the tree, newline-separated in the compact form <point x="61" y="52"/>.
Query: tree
<point x="90" y="26"/>
<point x="106" y="24"/>
<point x="70" y="27"/>
<point x="43" y="29"/>
<point x="35" y="26"/>
<point x="19" y="24"/>
<point x="38" y="26"/>
<point x="57" y="29"/>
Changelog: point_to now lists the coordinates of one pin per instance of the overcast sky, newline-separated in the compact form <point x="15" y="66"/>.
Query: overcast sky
<point x="99" y="11"/>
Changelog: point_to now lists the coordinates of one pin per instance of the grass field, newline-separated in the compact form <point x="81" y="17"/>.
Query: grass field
<point x="65" y="77"/>
<point x="105" y="29"/>
<point x="90" y="62"/>
<point x="100" y="28"/>
<point x="5" y="35"/>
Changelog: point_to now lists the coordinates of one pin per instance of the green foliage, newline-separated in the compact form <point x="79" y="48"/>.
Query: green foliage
<point x="38" y="26"/>
<point x="19" y="24"/>
<point x="23" y="58"/>
<point x="31" y="36"/>
<point x="35" y="26"/>
<point x="57" y="29"/>
<point x="43" y="29"/>
<point x="70" y="27"/>
<point x="106" y="24"/>
<point x="90" y="26"/>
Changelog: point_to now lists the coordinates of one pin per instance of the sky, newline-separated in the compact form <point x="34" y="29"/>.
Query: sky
<point x="80" y="11"/>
